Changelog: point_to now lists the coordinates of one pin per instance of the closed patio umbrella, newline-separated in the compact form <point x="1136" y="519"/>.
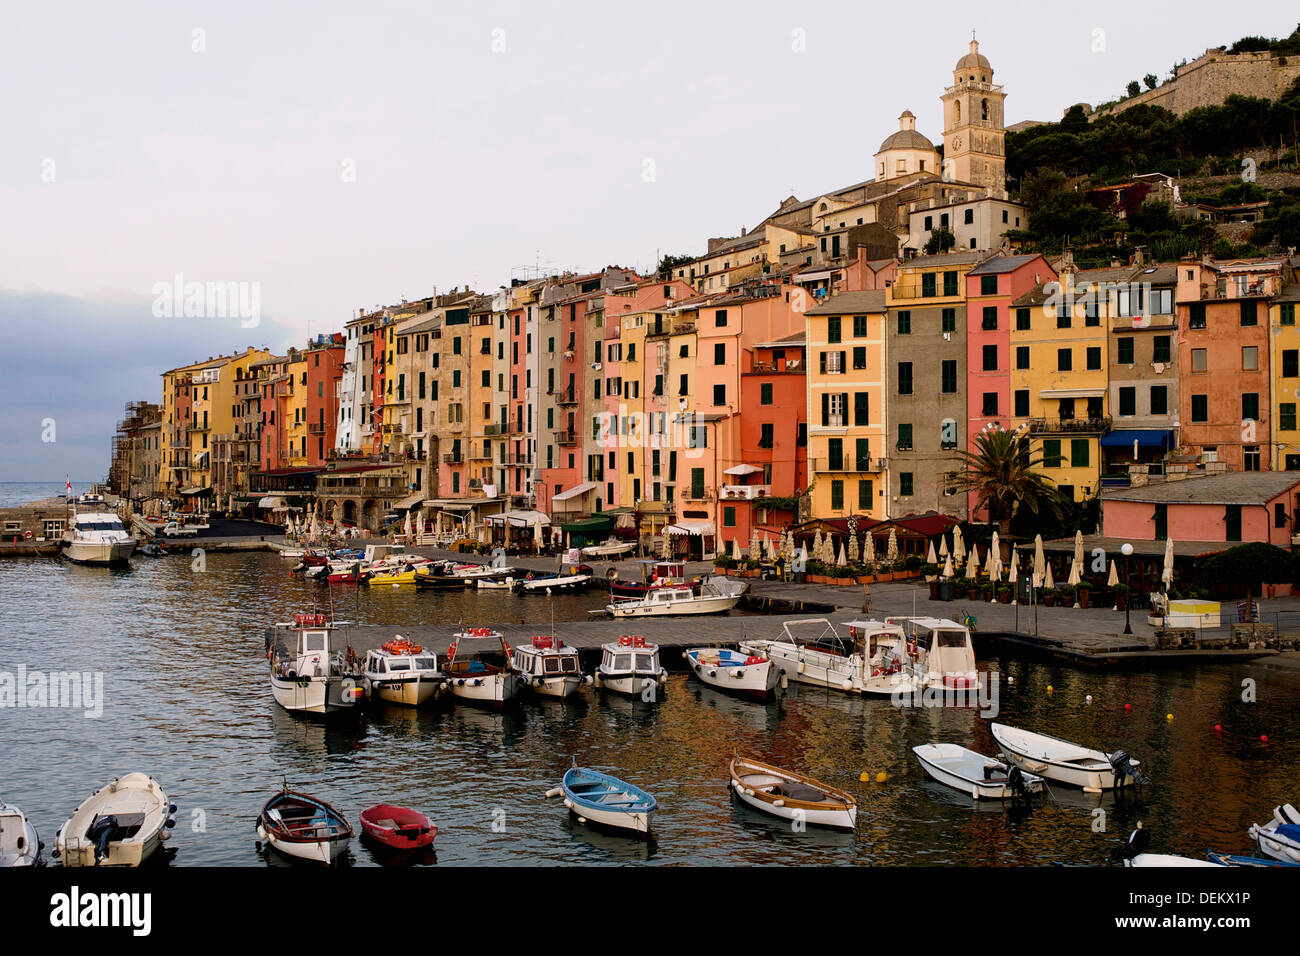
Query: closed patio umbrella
<point x="943" y="547"/>
<point x="1048" y="582"/>
<point x="854" y="555"/>
<point x="973" y="561"/>
<point x="754" y="553"/>
<point x="1113" y="580"/>
<point x="930" y="556"/>
<point x="869" y="552"/>
<point x="958" y="547"/>
<point x="841" y="560"/>
<point x="1040" y="562"/>
<point x="1078" y="553"/>
<point x="891" y="549"/>
<point x="947" y="571"/>
<point x="1167" y="574"/>
<point x="1014" y="576"/>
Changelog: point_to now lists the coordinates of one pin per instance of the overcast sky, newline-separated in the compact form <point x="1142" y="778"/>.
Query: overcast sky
<point x="342" y="155"/>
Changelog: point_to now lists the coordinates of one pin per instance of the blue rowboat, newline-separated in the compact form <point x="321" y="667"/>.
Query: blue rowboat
<point x="600" y="799"/>
<point x="1231" y="859"/>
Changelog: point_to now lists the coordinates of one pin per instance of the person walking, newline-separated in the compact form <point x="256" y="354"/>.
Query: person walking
<point x="866" y="599"/>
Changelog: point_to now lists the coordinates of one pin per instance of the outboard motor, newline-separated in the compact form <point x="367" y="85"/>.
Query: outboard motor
<point x="101" y="834"/>
<point x="1136" y="844"/>
<point x="1122" y="764"/>
<point x="1016" y="781"/>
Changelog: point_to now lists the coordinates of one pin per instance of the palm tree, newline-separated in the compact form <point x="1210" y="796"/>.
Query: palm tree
<point x="1004" y="479"/>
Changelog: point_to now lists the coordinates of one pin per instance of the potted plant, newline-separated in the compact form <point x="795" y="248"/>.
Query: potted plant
<point x="968" y="586"/>
<point x="1121" y="596"/>
<point x="1047" y="596"/>
<point x="1084" y="592"/>
<point x="751" y="568"/>
<point x="986" y="591"/>
<point x="1065" y="595"/>
<point x="1004" y="594"/>
<point x="723" y="563"/>
<point x="931" y="571"/>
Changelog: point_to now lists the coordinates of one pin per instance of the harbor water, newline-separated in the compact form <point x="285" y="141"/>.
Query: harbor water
<point x="186" y="699"/>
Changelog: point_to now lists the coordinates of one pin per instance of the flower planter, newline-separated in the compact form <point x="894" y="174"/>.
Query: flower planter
<point x="934" y="590"/>
<point x="1049" y="600"/>
<point x="884" y="575"/>
<point x="1121" y="602"/>
<point x="844" y="582"/>
<point x="1083" y="597"/>
<point x="931" y="578"/>
<point x="866" y="579"/>
<point x="1004" y="598"/>
<point x="750" y="573"/>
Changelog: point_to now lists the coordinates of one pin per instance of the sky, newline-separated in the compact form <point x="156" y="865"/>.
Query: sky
<point x="330" y="156"/>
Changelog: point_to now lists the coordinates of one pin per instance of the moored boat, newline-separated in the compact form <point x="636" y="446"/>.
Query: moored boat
<point x="303" y="827"/>
<point x="943" y="650"/>
<point x="666" y="573"/>
<point x="96" y="537"/>
<point x="20" y="844"/>
<point x="606" y="801"/>
<point x="472" y="679"/>
<point x="1134" y="853"/>
<point x="577" y="577"/>
<point x="1280" y="837"/>
<point x="548" y="667"/>
<point x="735" y="672"/>
<point x="121" y="824"/>
<point x="631" y="666"/>
<point x="400" y="672"/>
<point x="313" y="669"/>
<point x="1233" y="859"/>
<point x="791" y="796"/>
<point x="609" y="548"/>
<point x="1064" y="762"/>
<point x="873" y="658"/>
<point x="981" y="777"/>
<point x="671" y="602"/>
<point x="398" y="828"/>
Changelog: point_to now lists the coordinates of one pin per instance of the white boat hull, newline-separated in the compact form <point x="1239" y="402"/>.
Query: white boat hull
<point x="748" y="680"/>
<point x="20" y="845"/>
<point x="810" y="667"/>
<point x="960" y="769"/>
<point x="634" y="822"/>
<point x="491" y="690"/>
<point x="89" y="552"/>
<point x="845" y="819"/>
<point x="134" y="793"/>
<point x="1165" y="859"/>
<point x="554" y="584"/>
<point x="631" y="685"/>
<point x="699" y="605"/>
<point x="1273" y="845"/>
<point x="558" y="687"/>
<point x="315" y="695"/>
<point x="1057" y="760"/>
<point x="410" y="693"/>
<point x="314" y="851"/>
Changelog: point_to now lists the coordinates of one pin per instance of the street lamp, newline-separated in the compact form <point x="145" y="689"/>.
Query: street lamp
<point x="1126" y="549"/>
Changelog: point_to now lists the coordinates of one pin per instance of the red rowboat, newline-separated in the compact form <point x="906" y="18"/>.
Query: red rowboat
<point x="398" y="827"/>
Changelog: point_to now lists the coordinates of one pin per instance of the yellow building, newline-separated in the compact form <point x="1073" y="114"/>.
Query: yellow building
<point x="846" y="421"/>
<point x="1284" y="378"/>
<point x="682" y="490"/>
<point x="633" y="424"/>
<point x="215" y="411"/>
<point x="1059" y="378"/>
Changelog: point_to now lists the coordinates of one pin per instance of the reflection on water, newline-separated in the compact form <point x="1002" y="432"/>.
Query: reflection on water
<point x="186" y="700"/>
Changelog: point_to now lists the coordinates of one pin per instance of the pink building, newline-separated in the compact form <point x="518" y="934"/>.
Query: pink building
<point x="1225" y="507"/>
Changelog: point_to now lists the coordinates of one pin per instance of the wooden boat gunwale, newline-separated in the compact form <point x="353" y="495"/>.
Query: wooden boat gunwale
<point x="846" y="802"/>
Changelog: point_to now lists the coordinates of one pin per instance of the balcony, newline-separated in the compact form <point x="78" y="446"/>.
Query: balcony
<point x="517" y="462"/>
<point x="566" y="397"/>
<point x="788" y="367"/>
<point x="1070" y="426"/>
<point x="746" y="492"/>
<point x="848" y="465"/>
<point x="453" y="459"/>
<point x="316" y="428"/>
<point x="569" y="437"/>
<point x="498" y="429"/>
<point x="695" y="494"/>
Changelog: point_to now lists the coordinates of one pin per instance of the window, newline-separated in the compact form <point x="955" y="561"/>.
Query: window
<point x="990" y="403"/>
<point x="1286" y="315"/>
<point x="927" y="285"/>
<point x="729" y="516"/>
<point x="697" y="483"/>
<point x="990" y="323"/>
<point x="905" y="485"/>
<point x="1124" y="350"/>
<point x="1052" y="453"/>
<point x="1022" y="403"/>
<point x="1250" y="405"/>
<point x="866" y="494"/>
<point x="905" y="436"/>
<point x="860" y="325"/>
<point x="949" y="278"/>
<point x="765" y="436"/>
<point x="949" y="320"/>
<point x="832" y="363"/>
<point x="1022" y="356"/>
<point x="1064" y="360"/>
<point x="1200" y="408"/>
<point x="1093" y="357"/>
<point x="862" y="454"/>
<point x="720" y="353"/>
<point x="1232" y="522"/>
<point x="1290" y="363"/>
<point x="1063" y="315"/>
<point x="683" y="385"/>
<point x="837" y="495"/>
<point x="948" y="376"/>
<point x="1249" y="315"/>
<point x="833" y="329"/>
<point x="1022" y="320"/>
<point x="1198" y="360"/>
<point x="1279" y="515"/>
<point x="1159" y="400"/>
<point x="859" y="356"/>
<point x="1160" y="351"/>
<point x="984" y="280"/>
<point x="990" y="358"/>
<point x="905" y="378"/>
<point x="1196" y="315"/>
<point x="861" y="408"/>
<point x="1286" y="416"/>
<point x="764" y="393"/>
<point x="720" y="318"/>
<point x="1250" y="358"/>
<point x="1128" y="401"/>
<point x="719" y="394"/>
<point x="988" y="284"/>
<point x="904" y="323"/>
<point x="929" y="223"/>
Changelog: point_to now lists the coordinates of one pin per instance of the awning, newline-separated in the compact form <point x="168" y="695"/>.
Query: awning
<point x="575" y="491"/>
<point x="1071" y="393"/>
<point x="271" y="502"/>
<point x="521" y="518"/>
<point x="1145" y="437"/>
<point x="743" y="470"/>
<point x="691" y="527"/>
<point x="596" y="524"/>
<point x="194" y="490"/>
<point x="409" y="502"/>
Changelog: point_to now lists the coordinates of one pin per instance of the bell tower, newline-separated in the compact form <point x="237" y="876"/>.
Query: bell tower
<point x="974" y="138"/>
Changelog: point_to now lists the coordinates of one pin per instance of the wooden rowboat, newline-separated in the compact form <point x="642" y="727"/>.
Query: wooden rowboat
<point x="604" y="800"/>
<point x="304" y="827"/>
<point x="400" y="828"/>
<point x="792" y="796"/>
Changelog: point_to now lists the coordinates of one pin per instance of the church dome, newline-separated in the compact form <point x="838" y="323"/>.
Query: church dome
<point x="974" y="60"/>
<point x="907" y="137"/>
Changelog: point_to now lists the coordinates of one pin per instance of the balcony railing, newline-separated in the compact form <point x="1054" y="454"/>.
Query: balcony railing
<point x="316" y="428"/>
<point x="1069" y="426"/>
<point x="848" y="465"/>
<point x="497" y="429"/>
<point x="569" y="437"/>
<point x="517" y="462"/>
<point x="747" y="492"/>
<point x="566" y="397"/>
<point x="453" y="459"/>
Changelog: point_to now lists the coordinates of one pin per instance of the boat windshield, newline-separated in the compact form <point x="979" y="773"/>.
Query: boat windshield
<point x="622" y="662"/>
<point x="645" y="662"/>
<point x="951" y="638"/>
<point x="426" y="663"/>
<point x="313" y="641"/>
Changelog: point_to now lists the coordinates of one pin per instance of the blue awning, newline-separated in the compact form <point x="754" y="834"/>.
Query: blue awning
<point x="1145" y="437"/>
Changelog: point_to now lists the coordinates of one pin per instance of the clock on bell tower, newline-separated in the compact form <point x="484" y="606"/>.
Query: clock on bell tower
<point x="974" y="139"/>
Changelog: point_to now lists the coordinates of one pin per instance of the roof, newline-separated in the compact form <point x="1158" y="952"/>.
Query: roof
<point x="794" y="338"/>
<point x="846" y="302"/>
<point x="1143" y="548"/>
<point x="944" y="259"/>
<point x="1227" y="488"/>
<point x="930" y="524"/>
<point x="1290" y="293"/>
<point x="999" y="265"/>
<point x="974" y="59"/>
<point x="906" y="139"/>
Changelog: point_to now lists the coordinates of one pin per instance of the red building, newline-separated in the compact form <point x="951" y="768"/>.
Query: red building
<point x="324" y="371"/>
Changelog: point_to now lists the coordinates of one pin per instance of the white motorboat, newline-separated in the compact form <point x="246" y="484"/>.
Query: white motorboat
<point x="400" y="672"/>
<point x="1280" y="837"/>
<point x="981" y="777"/>
<point x="631" y="666"/>
<point x="1134" y="853"/>
<point x="1065" y="762"/>
<point x="312" y="666"/>
<point x="609" y="548"/>
<point x="20" y="845"/>
<point x="749" y="675"/>
<point x="548" y="667"/>
<point x="479" y="572"/>
<point x="97" y="537"/>
<point x="713" y="598"/>
<point x="792" y="796"/>
<point x="943" y="650"/>
<point x="873" y="658"/>
<point x="119" y="825"/>
<point x="303" y="827"/>
<point x="574" y="579"/>
<point x="475" y="681"/>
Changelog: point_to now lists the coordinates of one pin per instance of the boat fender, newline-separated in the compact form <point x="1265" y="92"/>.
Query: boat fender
<point x="847" y="685"/>
<point x="582" y="819"/>
<point x="261" y="832"/>
<point x="713" y="673"/>
<point x="478" y="682"/>
<point x="663" y="677"/>
<point x="554" y="792"/>
<point x="460" y="682"/>
<point x="800" y="668"/>
<point x="737" y="673"/>
<point x="171" y="824"/>
<point x="778" y="803"/>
